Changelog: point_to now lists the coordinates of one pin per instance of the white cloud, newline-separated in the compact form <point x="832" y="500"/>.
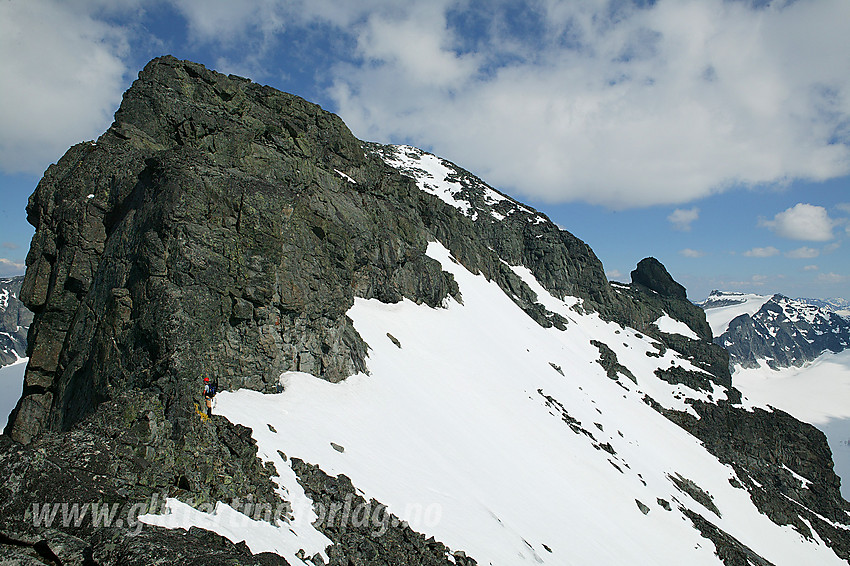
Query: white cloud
<point x="802" y="222"/>
<point x="843" y="206"/>
<point x="9" y="267"/>
<point x="688" y="252"/>
<point x="228" y="22"/>
<point x="754" y="281"/>
<point x="681" y="219"/>
<point x="811" y="268"/>
<point x="245" y="33"/>
<point x="832" y="278"/>
<point x="662" y="104"/>
<point x="622" y="106"/>
<point x="768" y="251"/>
<point x="803" y="253"/>
<point x="831" y="247"/>
<point x="63" y="76"/>
<point x="614" y="274"/>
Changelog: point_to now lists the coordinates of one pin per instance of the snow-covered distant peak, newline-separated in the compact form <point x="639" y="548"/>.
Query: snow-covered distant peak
<point x="837" y="305"/>
<point x="776" y="331"/>
<point x="722" y="307"/>
<point x="451" y="184"/>
<point x="801" y="310"/>
<point x="14" y="321"/>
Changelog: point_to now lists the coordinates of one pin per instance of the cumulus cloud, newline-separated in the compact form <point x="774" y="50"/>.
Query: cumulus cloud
<point x="688" y="252"/>
<point x="803" y="253"/>
<point x="802" y="222"/>
<point x="681" y="219"/>
<point x="768" y="251"/>
<point x="63" y="76"/>
<point x="613" y="103"/>
<point x="623" y="107"/>
<point x="227" y="22"/>
<point x="754" y="281"/>
<point x="9" y="267"/>
<point x="831" y="247"/>
<point x="832" y="278"/>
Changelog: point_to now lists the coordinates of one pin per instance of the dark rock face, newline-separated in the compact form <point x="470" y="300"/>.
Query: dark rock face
<point x="650" y="273"/>
<point x="608" y="360"/>
<point x="784" y="332"/>
<point x="654" y="293"/>
<point x="223" y="228"/>
<point x="211" y="231"/>
<point x="496" y="232"/>
<point x="125" y="460"/>
<point x="15" y="320"/>
<point x="207" y="233"/>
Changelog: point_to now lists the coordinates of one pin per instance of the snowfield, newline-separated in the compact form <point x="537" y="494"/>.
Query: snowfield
<point x="11" y="386"/>
<point x="670" y="325"/>
<point x="462" y="430"/>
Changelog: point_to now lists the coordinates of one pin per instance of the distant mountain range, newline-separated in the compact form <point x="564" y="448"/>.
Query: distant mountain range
<point x="836" y="305"/>
<point x="15" y="321"/>
<point x="776" y="330"/>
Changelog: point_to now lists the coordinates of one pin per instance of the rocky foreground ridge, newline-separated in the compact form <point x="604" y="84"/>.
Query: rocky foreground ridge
<point x="222" y="228"/>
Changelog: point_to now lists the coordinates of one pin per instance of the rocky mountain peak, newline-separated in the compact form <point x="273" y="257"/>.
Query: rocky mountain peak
<point x="652" y="274"/>
<point x="223" y="228"/>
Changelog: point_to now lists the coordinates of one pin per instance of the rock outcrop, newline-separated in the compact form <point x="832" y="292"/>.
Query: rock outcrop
<point x="652" y="275"/>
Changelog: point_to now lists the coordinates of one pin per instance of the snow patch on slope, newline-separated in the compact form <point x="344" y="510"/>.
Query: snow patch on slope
<point x="558" y="306"/>
<point x="431" y="175"/>
<point x="434" y="175"/>
<point x="471" y="417"/>
<point x="260" y="536"/>
<point x="666" y="323"/>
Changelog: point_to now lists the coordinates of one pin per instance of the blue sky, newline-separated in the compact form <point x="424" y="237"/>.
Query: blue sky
<point x="711" y="134"/>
